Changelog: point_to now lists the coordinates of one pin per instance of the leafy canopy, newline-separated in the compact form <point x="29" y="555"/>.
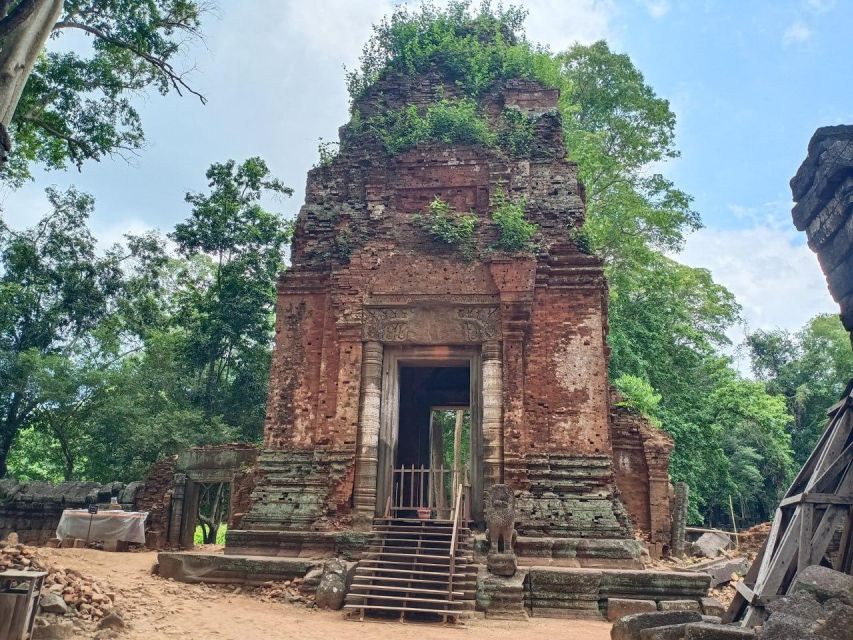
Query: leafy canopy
<point x="809" y="368"/>
<point x="77" y="104"/>
<point x="66" y="313"/>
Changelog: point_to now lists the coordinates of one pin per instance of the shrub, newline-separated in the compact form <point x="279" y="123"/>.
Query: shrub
<point x="449" y="121"/>
<point x="448" y="226"/>
<point x="516" y="232"/>
<point x="516" y="133"/>
<point x="328" y="151"/>
<point x="582" y="240"/>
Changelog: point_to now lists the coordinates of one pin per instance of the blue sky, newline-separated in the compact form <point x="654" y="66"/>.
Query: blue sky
<point x="749" y="82"/>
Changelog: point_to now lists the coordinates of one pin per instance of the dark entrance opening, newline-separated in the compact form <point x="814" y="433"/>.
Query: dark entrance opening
<point x="422" y="389"/>
<point x="434" y="437"/>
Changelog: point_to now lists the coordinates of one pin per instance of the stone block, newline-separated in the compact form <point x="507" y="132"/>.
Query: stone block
<point x="712" y="543"/>
<point x="502" y="564"/>
<point x="838" y="620"/>
<point x="657" y="585"/>
<point x="53" y="603"/>
<point x="55" y="631"/>
<point x="500" y="597"/>
<point x="679" y="605"/>
<point x="708" y="631"/>
<point x="116" y="546"/>
<point x="824" y="584"/>
<point x="797" y="613"/>
<point x="669" y="632"/>
<point x="213" y="568"/>
<point x="336" y="578"/>
<point x="629" y="627"/>
<point x="620" y="607"/>
<point x="712" y="607"/>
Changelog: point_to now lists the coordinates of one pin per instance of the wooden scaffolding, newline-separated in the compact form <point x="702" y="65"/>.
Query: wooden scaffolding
<point x="817" y="506"/>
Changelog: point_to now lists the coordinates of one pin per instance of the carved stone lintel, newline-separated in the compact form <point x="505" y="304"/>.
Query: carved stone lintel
<point x="480" y="323"/>
<point x="386" y="325"/>
<point x="431" y="325"/>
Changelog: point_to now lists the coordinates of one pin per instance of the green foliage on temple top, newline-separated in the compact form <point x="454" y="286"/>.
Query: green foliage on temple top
<point x="515" y="230"/>
<point x="448" y="226"/>
<point x="473" y="48"/>
<point x="448" y="121"/>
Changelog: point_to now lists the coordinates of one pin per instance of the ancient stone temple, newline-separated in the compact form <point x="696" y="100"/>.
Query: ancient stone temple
<point x="378" y="325"/>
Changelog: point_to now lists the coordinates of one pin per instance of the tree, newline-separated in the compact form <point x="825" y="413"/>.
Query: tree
<point x="225" y="307"/>
<point x="756" y="445"/>
<point x="61" y="309"/>
<point x="809" y="368"/>
<point x="66" y="107"/>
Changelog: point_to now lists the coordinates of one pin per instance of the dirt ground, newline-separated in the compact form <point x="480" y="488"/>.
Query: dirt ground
<point x="156" y="608"/>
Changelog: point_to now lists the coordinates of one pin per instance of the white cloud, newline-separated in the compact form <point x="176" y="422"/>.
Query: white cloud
<point x="821" y="6"/>
<point x="332" y="28"/>
<point x="798" y="32"/>
<point x="561" y="23"/>
<point x="657" y="8"/>
<point x="772" y="273"/>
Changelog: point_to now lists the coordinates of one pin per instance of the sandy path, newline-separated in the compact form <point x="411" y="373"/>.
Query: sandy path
<point x="157" y="608"/>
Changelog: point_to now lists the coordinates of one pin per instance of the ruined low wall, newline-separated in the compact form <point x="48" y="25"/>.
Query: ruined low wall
<point x="641" y="465"/>
<point x="32" y="509"/>
<point x="154" y="498"/>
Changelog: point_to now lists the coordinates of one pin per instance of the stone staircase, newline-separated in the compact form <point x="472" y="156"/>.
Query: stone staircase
<point x="408" y="569"/>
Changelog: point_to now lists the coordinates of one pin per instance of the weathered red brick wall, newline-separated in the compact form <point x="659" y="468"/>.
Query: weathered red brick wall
<point x="641" y="464"/>
<point x="154" y="499"/>
<point x="356" y="246"/>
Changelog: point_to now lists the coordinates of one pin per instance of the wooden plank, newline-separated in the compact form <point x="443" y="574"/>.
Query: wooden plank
<point x="829" y="477"/>
<point x="781" y="555"/>
<point x="806" y="527"/>
<point x="834" y="517"/>
<point x="817" y="498"/>
<point x="737" y="605"/>
<point x="745" y="592"/>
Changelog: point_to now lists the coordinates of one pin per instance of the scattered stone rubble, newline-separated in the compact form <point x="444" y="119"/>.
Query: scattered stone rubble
<point x="65" y="592"/>
<point x="818" y="607"/>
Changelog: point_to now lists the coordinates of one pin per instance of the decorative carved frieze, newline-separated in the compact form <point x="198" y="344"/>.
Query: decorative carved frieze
<point x="386" y="325"/>
<point x="431" y="325"/>
<point x="481" y="323"/>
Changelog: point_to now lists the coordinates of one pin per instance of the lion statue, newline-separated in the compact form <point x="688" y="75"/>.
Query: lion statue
<point x="500" y="518"/>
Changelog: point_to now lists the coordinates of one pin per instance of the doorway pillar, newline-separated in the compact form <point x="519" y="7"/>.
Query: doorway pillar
<point x="492" y="413"/>
<point x="367" y="454"/>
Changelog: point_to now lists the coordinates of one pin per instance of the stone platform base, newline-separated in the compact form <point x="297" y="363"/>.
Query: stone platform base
<point x="562" y="592"/>
<point x="558" y="592"/>
<point x="350" y="544"/>
<point x="501" y="598"/>
<point x="593" y="553"/>
<point x="215" y="568"/>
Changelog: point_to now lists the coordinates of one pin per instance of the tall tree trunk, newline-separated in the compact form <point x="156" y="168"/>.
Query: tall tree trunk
<point x="21" y="41"/>
<point x="5" y="444"/>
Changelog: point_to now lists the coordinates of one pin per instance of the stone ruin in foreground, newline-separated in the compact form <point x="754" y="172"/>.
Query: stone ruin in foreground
<point x="379" y="326"/>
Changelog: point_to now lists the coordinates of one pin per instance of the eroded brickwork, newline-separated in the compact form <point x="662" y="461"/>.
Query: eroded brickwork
<point x="641" y="463"/>
<point x="365" y="273"/>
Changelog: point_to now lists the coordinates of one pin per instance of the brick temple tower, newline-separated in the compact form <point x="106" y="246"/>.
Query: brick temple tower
<point x="379" y="326"/>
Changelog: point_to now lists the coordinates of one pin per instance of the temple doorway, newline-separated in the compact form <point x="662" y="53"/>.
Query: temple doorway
<point x="430" y="436"/>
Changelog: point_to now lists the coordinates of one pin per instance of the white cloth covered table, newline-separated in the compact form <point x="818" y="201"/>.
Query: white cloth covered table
<point x="107" y="526"/>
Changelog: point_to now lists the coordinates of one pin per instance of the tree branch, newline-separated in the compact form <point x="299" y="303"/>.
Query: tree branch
<point x="175" y="78"/>
<point x="73" y="143"/>
<point x="17" y="16"/>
